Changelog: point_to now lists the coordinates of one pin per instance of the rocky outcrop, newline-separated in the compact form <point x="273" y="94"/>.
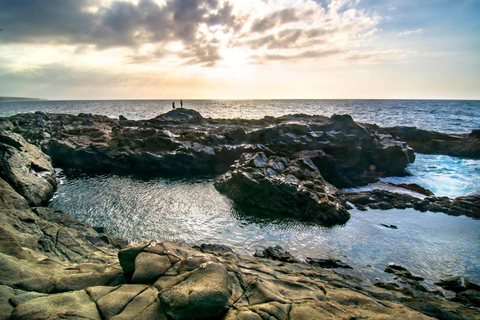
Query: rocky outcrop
<point x="183" y="143"/>
<point x="385" y="200"/>
<point x="26" y="169"/>
<point x="292" y="188"/>
<point x="52" y="267"/>
<point x="432" y="142"/>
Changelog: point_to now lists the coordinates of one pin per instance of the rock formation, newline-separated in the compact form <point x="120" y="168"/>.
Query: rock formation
<point x="182" y="143"/>
<point x="431" y="142"/>
<point x="52" y="267"/>
<point x="293" y="188"/>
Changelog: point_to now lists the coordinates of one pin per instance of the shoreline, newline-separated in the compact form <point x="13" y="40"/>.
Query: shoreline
<point x="48" y="259"/>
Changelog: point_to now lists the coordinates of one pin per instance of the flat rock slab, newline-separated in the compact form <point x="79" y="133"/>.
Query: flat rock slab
<point x="69" y="305"/>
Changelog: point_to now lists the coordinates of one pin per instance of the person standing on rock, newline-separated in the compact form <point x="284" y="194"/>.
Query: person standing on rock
<point x="173" y="105"/>
<point x="181" y="103"/>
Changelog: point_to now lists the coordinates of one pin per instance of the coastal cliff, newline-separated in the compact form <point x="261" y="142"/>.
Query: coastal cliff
<point x="55" y="267"/>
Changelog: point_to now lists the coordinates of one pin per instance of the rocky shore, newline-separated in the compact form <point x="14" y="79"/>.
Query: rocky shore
<point x="53" y="267"/>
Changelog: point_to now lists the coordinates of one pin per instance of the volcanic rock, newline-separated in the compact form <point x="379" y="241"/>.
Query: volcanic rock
<point x="292" y="188"/>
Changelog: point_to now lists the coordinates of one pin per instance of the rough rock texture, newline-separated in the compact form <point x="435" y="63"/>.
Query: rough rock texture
<point x="292" y="188"/>
<point x="52" y="267"/>
<point x="385" y="200"/>
<point x="183" y="143"/>
<point x="431" y="142"/>
<point x="26" y="169"/>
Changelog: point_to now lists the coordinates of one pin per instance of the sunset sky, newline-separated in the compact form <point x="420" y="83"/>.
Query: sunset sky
<point x="243" y="49"/>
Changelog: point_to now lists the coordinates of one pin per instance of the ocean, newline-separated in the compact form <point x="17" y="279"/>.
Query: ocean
<point x="431" y="245"/>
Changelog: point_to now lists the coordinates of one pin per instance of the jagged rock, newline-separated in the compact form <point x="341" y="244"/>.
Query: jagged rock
<point x="293" y="188"/>
<point x="275" y="253"/>
<point x="327" y="263"/>
<point x="414" y="187"/>
<point x="204" y="294"/>
<point x="406" y="276"/>
<point x="26" y="169"/>
<point x="183" y="143"/>
<point x="385" y="200"/>
<point x="454" y="284"/>
<point x="432" y="142"/>
<point x="74" y="305"/>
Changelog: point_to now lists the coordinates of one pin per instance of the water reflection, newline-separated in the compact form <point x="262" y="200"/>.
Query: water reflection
<point x="432" y="245"/>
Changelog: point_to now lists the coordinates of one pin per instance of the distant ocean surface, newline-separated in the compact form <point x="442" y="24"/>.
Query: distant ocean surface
<point x="439" y="115"/>
<point x="431" y="245"/>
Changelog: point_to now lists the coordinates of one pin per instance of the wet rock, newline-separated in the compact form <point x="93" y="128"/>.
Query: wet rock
<point x="204" y="294"/>
<point x="390" y="226"/>
<point x="406" y="276"/>
<point x="327" y="263"/>
<point x="26" y="169"/>
<point x="216" y="249"/>
<point x="432" y="142"/>
<point x="454" y="284"/>
<point x="275" y="253"/>
<point x="292" y="188"/>
<point x="414" y="187"/>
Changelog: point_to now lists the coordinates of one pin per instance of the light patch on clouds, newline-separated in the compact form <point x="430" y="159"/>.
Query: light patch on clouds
<point x="407" y="32"/>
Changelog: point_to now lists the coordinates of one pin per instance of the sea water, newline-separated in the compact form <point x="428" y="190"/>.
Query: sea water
<point x="431" y="245"/>
<point x="440" y="115"/>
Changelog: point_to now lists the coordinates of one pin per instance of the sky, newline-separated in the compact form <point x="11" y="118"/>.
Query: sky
<point x="243" y="49"/>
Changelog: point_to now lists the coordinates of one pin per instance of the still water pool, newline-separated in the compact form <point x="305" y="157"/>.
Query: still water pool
<point x="432" y="245"/>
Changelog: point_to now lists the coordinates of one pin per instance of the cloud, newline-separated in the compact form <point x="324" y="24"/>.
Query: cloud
<point x="200" y="29"/>
<point x="407" y="32"/>
<point x="122" y="24"/>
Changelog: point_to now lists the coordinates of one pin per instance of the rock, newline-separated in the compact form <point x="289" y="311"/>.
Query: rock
<point x="74" y="305"/>
<point x="205" y="294"/>
<point x="26" y="169"/>
<point x="149" y="267"/>
<point x="216" y="249"/>
<point x="406" y="276"/>
<point x="327" y="263"/>
<point x="414" y="187"/>
<point x="6" y="307"/>
<point x="391" y="226"/>
<point x="116" y="301"/>
<point x="275" y="253"/>
<point x="122" y="118"/>
<point x="182" y="143"/>
<point x="292" y="188"/>
<point x="10" y="199"/>
<point x="431" y="142"/>
<point x="454" y="284"/>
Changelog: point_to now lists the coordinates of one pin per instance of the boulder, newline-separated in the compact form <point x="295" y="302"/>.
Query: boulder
<point x="27" y="169"/>
<point x="292" y="188"/>
<point x="205" y="294"/>
<point x="275" y="253"/>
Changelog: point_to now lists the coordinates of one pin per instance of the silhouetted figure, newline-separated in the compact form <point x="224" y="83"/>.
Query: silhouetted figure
<point x="181" y="103"/>
<point x="173" y="105"/>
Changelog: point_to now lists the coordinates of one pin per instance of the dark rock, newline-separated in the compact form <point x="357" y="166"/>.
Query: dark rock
<point x="293" y="188"/>
<point x="216" y="249"/>
<point x="275" y="253"/>
<point x="328" y="263"/>
<point x="122" y="118"/>
<point x="454" y="284"/>
<point x="431" y="142"/>
<point x="391" y="226"/>
<point x="414" y="187"/>
<point x="402" y="272"/>
<point x="475" y="134"/>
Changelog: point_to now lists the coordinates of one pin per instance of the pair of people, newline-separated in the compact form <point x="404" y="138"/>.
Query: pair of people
<point x="181" y="104"/>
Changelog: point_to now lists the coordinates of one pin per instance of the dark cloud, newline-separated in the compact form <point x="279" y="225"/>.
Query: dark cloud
<point x="123" y="24"/>
<point x="276" y="18"/>
<point x="308" y="54"/>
